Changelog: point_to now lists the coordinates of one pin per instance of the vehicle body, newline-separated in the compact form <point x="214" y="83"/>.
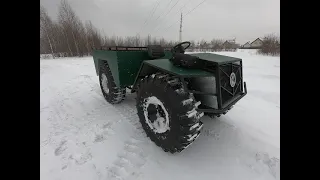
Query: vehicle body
<point x="213" y="87"/>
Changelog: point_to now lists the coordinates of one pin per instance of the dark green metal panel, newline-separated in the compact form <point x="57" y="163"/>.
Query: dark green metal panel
<point x="167" y="66"/>
<point x="129" y="64"/>
<point x="216" y="58"/>
<point x="111" y="58"/>
<point x="124" y="65"/>
<point x="164" y="65"/>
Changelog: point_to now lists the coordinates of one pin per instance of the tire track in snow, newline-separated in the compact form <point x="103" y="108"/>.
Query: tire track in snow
<point x="77" y="119"/>
<point x="132" y="157"/>
<point x="217" y="128"/>
<point x="59" y="150"/>
<point x="126" y="109"/>
<point x="271" y="163"/>
<point x="129" y="161"/>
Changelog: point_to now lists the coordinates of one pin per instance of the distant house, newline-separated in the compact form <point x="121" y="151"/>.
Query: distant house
<point x="256" y="43"/>
<point x="217" y="47"/>
<point x="229" y="45"/>
<point x="246" y="45"/>
<point x="226" y="44"/>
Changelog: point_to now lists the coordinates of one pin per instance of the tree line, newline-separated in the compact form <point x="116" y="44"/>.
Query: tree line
<point x="69" y="36"/>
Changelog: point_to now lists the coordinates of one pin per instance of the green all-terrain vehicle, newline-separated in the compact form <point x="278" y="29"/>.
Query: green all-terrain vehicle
<point x="174" y="89"/>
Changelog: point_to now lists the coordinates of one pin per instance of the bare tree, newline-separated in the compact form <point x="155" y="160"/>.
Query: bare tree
<point x="119" y="41"/>
<point x="270" y="45"/>
<point x="204" y="45"/>
<point x="45" y="28"/>
<point x="162" y="42"/>
<point x="69" y="36"/>
<point x="148" y="40"/>
<point x="137" y="41"/>
<point x="192" y="45"/>
<point x="70" y="23"/>
<point x="217" y="44"/>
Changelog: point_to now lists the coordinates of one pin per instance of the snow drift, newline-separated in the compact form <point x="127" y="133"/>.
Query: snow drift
<point x="83" y="137"/>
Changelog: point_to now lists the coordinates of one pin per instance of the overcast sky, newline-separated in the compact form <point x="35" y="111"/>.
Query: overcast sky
<point x="244" y="19"/>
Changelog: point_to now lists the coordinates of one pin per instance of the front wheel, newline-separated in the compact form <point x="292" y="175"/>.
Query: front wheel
<point x="168" y="115"/>
<point x="110" y="91"/>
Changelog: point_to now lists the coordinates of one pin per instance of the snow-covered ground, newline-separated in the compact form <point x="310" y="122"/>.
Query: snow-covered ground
<point x="82" y="137"/>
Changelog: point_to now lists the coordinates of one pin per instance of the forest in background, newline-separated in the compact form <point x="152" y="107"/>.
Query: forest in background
<point x="68" y="36"/>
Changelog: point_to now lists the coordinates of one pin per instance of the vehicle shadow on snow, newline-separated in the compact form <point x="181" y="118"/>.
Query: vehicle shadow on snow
<point x="228" y="146"/>
<point x="220" y="144"/>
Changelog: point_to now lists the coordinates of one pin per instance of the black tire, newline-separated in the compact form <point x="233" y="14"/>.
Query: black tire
<point x="212" y="115"/>
<point x="114" y="94"/>
<point x="183" y="119"/>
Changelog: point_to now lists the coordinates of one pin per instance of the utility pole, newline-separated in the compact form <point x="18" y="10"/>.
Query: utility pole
<point x="180" y="32"/>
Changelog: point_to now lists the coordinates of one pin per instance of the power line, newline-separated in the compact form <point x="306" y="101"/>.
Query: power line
<point x="178" y="11"/>
<point x="171" y="8"/>
<point x="166" y="13"/>
<point x="151" y="14"/>
<point x="186" y="14"/>
<point x="165" y="8"/>
<point x="183" y="6"/>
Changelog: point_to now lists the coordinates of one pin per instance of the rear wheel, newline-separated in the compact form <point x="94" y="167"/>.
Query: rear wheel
<point x="110" y="91"/>
<point x="167" y="113"/>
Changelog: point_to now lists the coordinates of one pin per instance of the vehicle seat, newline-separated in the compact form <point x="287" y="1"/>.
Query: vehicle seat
<point x="155" y="51"/>
<point x="186" y="61"/>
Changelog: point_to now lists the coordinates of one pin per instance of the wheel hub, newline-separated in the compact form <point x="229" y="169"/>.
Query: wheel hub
<point x="104" y="83"/>
<point x="156" y="115"/>
<point x="154" y="112"/>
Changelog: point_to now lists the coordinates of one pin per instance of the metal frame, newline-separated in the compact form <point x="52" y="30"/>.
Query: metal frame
<point x="156" y="68"/>
<point x="127" y="48"/>
<point x="223" y="107"/>
<point x="218" y="94"/>
<point x="235" y="88"/>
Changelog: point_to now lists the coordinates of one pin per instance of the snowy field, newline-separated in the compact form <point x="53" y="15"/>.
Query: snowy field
<point x="82" y="137"/>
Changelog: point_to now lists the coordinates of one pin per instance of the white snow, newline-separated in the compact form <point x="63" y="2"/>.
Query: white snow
<point x="192" y="137"/>
<point x="173" y="81"/>
<point x="197" y="104"/>
<point x="83" y="137"/>
<point x="191" y="113"/>
<point x="187" y="101"/>
<point x="199" y="115"/>
<point x="194" y="126"/>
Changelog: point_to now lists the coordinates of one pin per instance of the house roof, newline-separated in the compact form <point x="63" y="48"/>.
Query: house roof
<point x="246" y="43"/>
<point x="225" y="42"/>
<point x="256" y="40"/>
<point x="228" y="42"/>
